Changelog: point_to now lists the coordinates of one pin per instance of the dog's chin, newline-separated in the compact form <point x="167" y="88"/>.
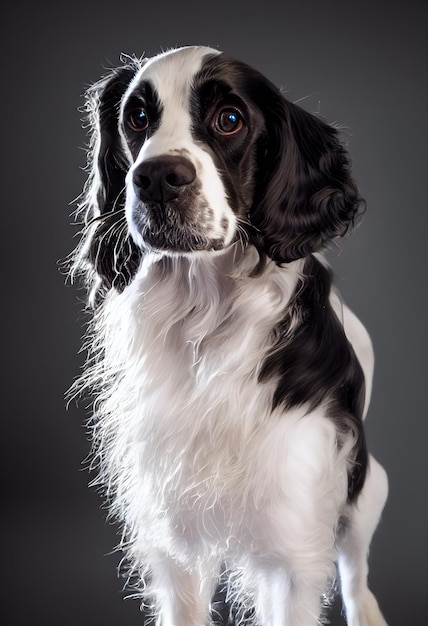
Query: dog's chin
<point x="178" y="242"/>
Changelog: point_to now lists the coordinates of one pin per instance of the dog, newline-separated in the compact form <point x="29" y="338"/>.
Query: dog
<point x="230" y="382"/>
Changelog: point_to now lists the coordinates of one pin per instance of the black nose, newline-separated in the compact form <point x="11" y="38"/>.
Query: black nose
<point x="160" y="179"/>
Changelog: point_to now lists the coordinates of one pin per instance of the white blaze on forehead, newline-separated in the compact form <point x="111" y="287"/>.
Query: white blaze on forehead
<point x="171" y="74"/>
<point x="173" y="71"/>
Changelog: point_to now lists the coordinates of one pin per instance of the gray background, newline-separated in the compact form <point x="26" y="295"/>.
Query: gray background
<point x="362" y="64"/>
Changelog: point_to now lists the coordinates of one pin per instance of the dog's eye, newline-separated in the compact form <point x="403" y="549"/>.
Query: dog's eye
<point x="228" y="121"/>
<point x="138" y="120"/>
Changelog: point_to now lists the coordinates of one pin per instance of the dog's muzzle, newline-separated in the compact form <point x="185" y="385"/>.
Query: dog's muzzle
<point x="169" y="212"/>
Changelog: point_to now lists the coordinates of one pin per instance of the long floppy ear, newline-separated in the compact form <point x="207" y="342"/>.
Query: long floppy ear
<point x="107" y="255"/>
<point x="306" y="195"/>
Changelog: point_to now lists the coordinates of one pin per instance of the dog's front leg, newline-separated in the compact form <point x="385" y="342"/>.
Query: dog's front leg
<point x="300" y="489"/>
<point x="182" y="594"/>
<point x="286" y="598"/>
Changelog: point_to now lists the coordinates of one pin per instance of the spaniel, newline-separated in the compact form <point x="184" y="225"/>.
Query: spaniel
<point x="230" y="382"/>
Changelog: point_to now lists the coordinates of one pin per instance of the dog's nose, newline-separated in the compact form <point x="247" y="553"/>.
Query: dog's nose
<point x="160" y="179"/>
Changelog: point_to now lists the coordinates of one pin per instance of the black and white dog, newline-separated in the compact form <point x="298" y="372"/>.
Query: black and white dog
<point x="230" y="381"/>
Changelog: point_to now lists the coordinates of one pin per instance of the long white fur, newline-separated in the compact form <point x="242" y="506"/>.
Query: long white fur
<point x="195" y="464"/>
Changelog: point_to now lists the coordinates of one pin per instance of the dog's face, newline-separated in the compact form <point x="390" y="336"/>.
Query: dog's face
<point x="199" y="151"/>
<point x="191" y="139"/>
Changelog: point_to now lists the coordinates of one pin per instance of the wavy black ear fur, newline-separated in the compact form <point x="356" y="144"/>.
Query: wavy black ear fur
<point x="306" y="195"/>
<point x="107" y="254"/>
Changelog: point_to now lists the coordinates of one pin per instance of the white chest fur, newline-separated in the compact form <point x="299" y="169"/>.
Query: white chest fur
<point x="185" y="433"/>
<point x="181" y="353"/>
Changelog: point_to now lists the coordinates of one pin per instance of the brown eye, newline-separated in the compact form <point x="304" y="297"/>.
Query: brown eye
<point x="228" y="121"/>
<point x="138" y="120"/>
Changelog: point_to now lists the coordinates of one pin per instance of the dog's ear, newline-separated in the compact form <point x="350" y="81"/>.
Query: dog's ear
<point x="107" y="254"/>
<point x="108" y="162"/>
<point x="306" y="195"/>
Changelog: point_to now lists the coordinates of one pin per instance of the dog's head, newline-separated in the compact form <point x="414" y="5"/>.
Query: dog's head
<point x="192" y="152"/>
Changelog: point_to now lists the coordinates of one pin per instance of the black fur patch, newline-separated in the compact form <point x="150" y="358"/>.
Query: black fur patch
<point x="314" y="363"/>
<point x="112" y="253"/>
<point x="218" y="84"/>
<point x="143" y="96"/>
<point x="292" y="170"/>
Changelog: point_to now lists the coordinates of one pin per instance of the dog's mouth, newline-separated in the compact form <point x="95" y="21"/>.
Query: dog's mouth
<point x="175" y="227"/>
